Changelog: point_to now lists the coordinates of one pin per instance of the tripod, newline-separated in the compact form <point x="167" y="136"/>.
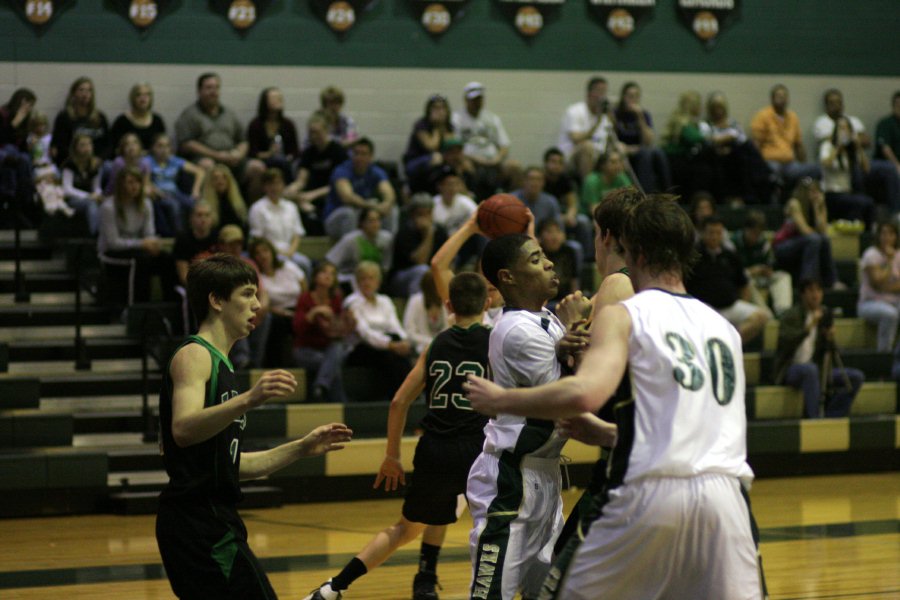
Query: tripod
<point x="832" y="359"/>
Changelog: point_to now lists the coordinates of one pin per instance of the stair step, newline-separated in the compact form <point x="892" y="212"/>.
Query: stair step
<point x="93" y="405"/>
<point x="26" y="235"/>
<point x="39" y="282"/>
<point x="28" y="250"/>
<point x="130" y="422"/>
<point x="93" y="384"/>
<point x="61" y="332"/>
<point x="123" y="367"/>
<point x="56" y="265"/>
<point x="31" y="316"/>
<point x="64" y="350"/>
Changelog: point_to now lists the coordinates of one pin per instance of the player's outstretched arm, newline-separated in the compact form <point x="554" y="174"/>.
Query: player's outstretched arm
<point x="320" y="440"/>
<point x="442" y="261"/>
<point x="191" y="422"/>
<point x="597" y="379"/>
<point x="391" y="471"/>
<point x="589" y="429"/>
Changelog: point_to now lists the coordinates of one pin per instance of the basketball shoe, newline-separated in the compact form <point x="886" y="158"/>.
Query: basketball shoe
<point x="423" y="586"/>
<point x="324" y="592"/>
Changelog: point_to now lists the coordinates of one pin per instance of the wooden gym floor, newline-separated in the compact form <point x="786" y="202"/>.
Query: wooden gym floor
<point x="835" y="537"/>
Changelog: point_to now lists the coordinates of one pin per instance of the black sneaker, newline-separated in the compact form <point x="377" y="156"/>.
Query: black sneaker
<point x="327" y="594"/>
<point x="423" y="586"/>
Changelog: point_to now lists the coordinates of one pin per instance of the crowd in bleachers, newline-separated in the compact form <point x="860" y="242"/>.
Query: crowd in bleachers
<point x="157" y="196"/>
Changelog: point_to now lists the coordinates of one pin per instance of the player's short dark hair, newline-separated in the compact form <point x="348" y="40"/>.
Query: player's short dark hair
<point x="204" y="76"/>
<point x="364" y="141"/>
<point x="659" y="230"/>
<point x="594" y="81"/>
<point x="219" y="275"/>
<point x="552" y="151"/>
<point x="611" y="213"/>
<point x="501" y="253"/>
<point x="468" y="293"/>
<point x="710" y="220"/>
<point x="755" y="220"/>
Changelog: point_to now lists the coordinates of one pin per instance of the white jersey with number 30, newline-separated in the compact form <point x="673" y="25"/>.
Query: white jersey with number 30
<point x="687" y="381"/>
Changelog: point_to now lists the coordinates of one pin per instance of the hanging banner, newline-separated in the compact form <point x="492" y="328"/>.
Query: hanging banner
<point x="436" y="16"/>
<point x="529" y="16"/>
<point x="142" y="13"/>
<point x="242" y="14"/>
<point x="621" y="18"/>
<point x="708" y="18"/>
<point x="39" y="13"/>
<point x="340" y="15"/>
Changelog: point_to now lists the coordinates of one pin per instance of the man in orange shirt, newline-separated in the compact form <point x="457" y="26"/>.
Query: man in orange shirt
<point x="776" y="132"/>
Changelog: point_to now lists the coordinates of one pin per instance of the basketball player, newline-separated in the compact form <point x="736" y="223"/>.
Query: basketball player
<point x="514" y="485"/>
<point x="201" y="537"/>
<point x="609" y="217"/>
<point x="677" y="523"/>
<point x="452" y="440"/>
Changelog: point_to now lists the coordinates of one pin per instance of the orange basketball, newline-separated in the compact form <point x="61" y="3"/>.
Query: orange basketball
<point x="502" y="214"/>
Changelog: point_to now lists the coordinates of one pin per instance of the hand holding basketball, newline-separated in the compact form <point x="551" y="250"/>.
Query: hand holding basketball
<point x="502" y="214"/>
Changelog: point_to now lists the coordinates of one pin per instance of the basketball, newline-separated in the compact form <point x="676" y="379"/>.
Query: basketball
<point x="502" y="214"/>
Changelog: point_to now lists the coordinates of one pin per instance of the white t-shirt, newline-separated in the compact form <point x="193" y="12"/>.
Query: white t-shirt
<point x="419" y="325"/>
<point x="687" y="382"/>
<point x="523" y="354"/>
<point x="579" y="119"/>
<point x="874" y="257"/>
<point x="452" y="216"/>
<point x="284" y="286"/>
<point x="375" y="321"/>
<point x="482" y="136"/>
<point x="823" y="127"/>
<point x="834" y="177"/>
<point x="278" y="223"/>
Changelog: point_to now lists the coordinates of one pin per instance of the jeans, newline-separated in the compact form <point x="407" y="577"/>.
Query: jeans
<point x="652" y="169"/>
<point x="327" y="365"/>
<point x="807" y="257"/>
<point x="805" y="376"/>
<point x="885" y="316"/>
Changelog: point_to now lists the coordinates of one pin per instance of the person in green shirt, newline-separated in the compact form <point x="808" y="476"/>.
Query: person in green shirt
<point x="608" y="175"/>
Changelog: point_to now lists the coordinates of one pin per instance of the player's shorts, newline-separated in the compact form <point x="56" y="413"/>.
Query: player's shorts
<point x="205" y="553"/>
<point x="668" y="537"/>
<point x="517" y="513"/>
<point x="440" y="470"/>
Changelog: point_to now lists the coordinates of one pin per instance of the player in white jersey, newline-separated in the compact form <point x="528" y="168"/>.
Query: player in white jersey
<point x="677" y="523"/>
<point x="514" y="485"/>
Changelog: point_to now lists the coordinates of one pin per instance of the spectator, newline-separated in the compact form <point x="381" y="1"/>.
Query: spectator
<point x="609" y="175"/>
<point x="38" y="144"/>
<point x="318" y="160"/>
<point x="841" y="156"/>
<point x="415" y="243"/>
<point x="887" y="135"/>
<point x="210" y="133"/>
<point x="687" y="146"/>
<point x="802" y="246"/>
<point x="320" y="330"/>
<point x="486" y="144"/>
<point x="776" y="133"/>
<point x="276" y="219"/>
<point x="284" y="283"/>
<point x="15" y="118"/>
<point x="341" y="126"/>
<point x="558" y="184"/>
<point x="355" y="184"/>
<point x="755" y="252"/>
<point x="166" y="171"/>
<point x="272" y="137"/>
<point x="80" y="116"/>
<point x="223" y="194"/>
<point x="564" y="258"/>
<point x="81" y="180"/>
<point x="249" y="351"/>
<point x="451" y="206"/>
<point x="424" y="315"/>
<point x="199" y="239"/>
<point x="368" y="242"/>
<point x="451" y="155"/>
<point x="380" y="340"/>
<point x="139" y="119"/>
<point x="879" y="289"/>
<point x="587" y="128"/>
<point x="719" y="280"/>
<point x="634" y="129"/>
<point x="424" y="147"/>
<point x="127" y="232"/>
<point x="741" y="174"/>
<point x="805" y="349"/>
